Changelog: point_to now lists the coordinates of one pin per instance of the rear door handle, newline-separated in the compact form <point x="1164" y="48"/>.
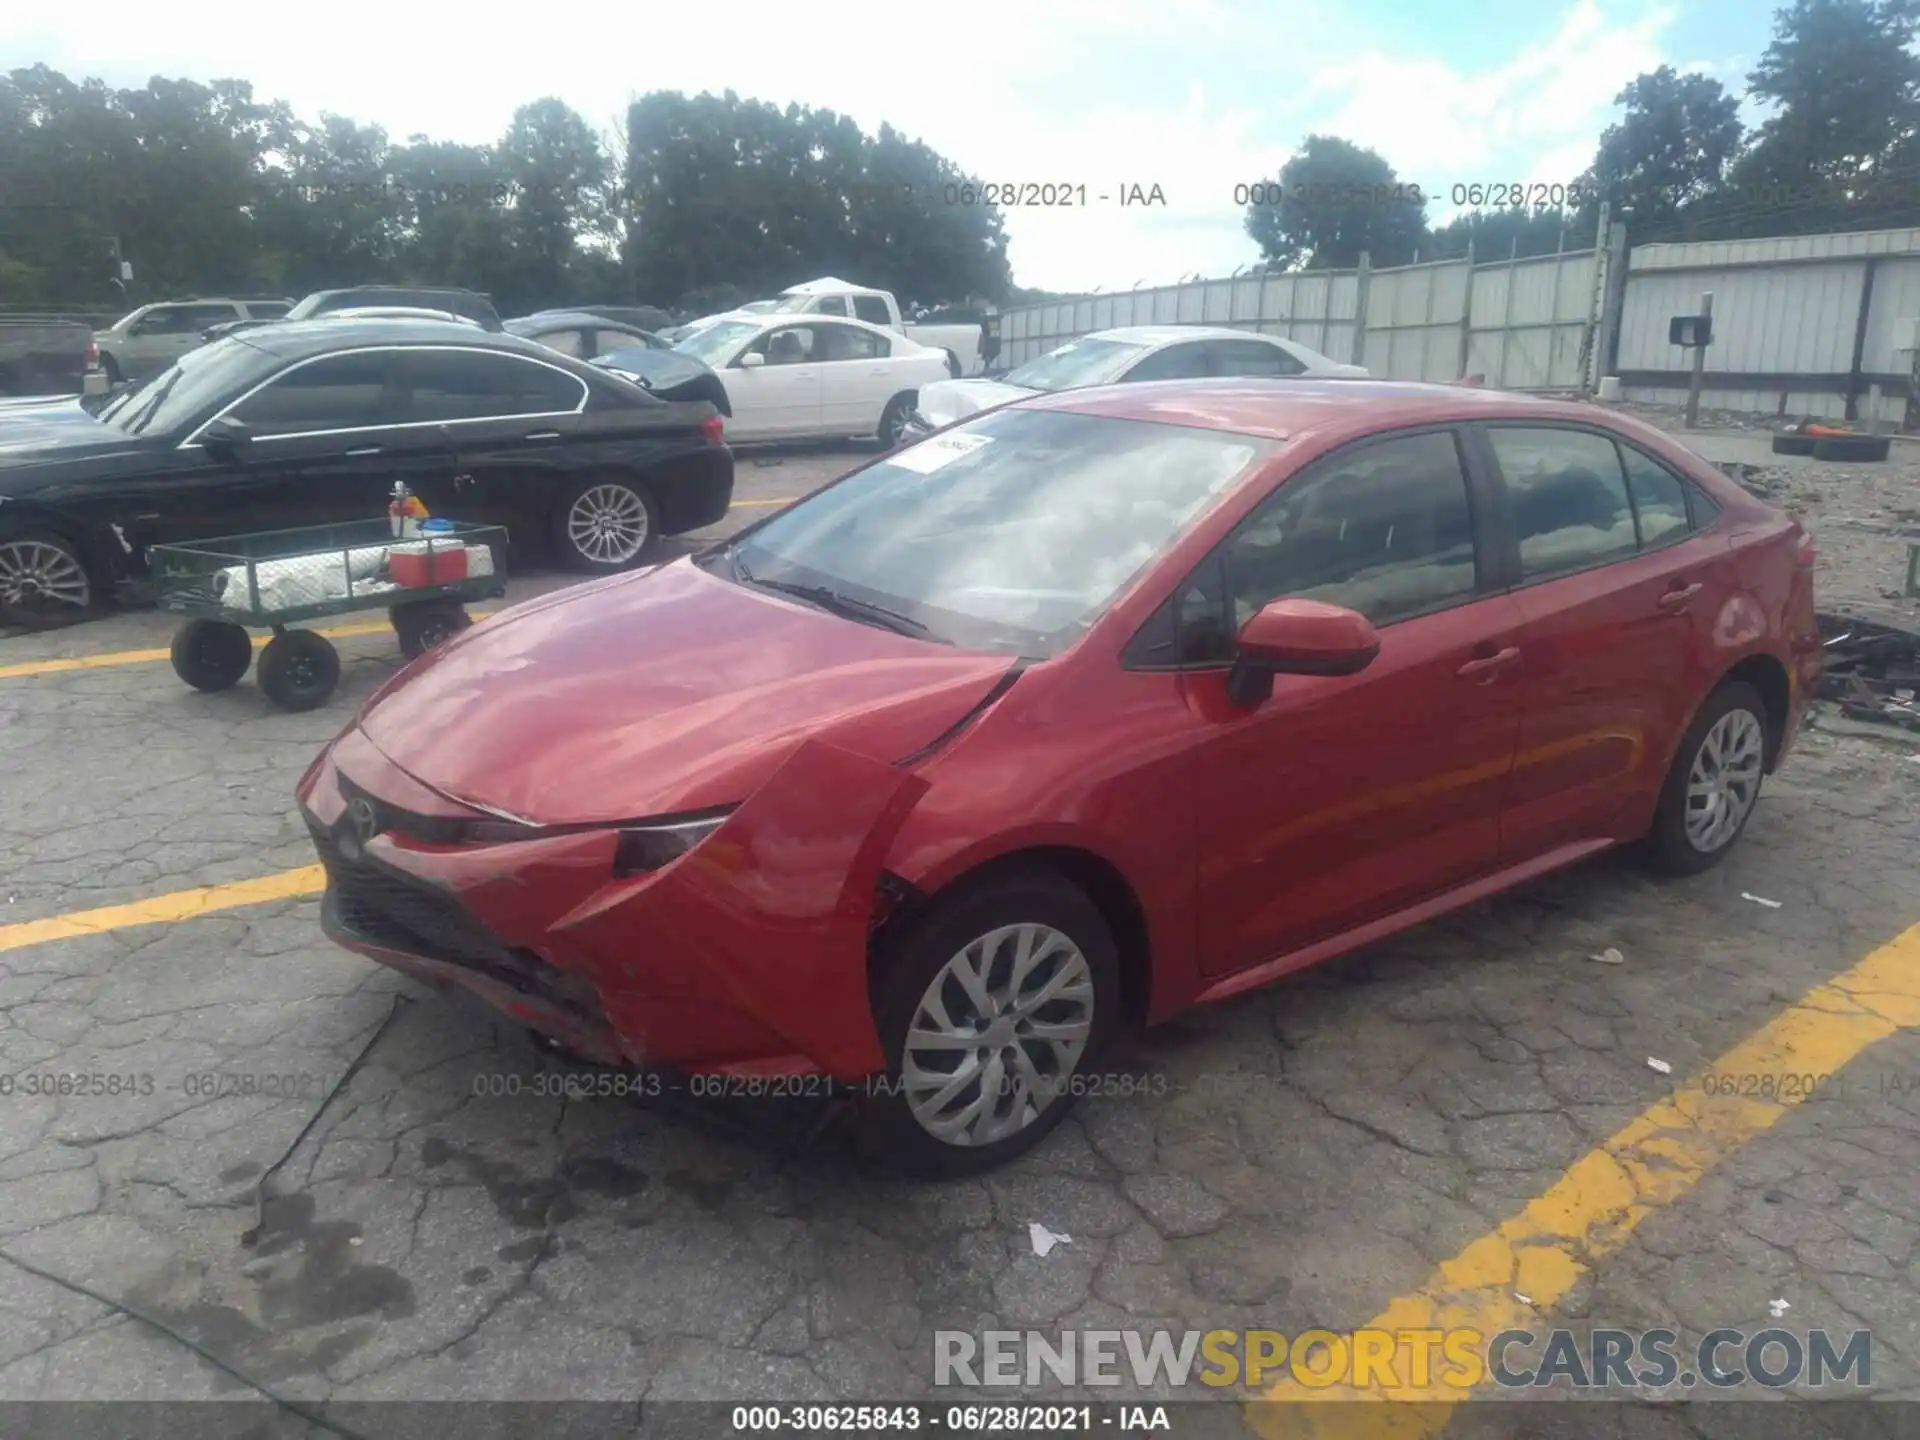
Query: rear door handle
<point x="1487" y="665"/>
<point x="363" y="450"/>
<point x="544" y="435"/>
<point x="1681" y="598"/>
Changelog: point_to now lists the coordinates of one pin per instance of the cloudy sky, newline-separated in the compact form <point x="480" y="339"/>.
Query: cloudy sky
<point x="1194" y="97"/>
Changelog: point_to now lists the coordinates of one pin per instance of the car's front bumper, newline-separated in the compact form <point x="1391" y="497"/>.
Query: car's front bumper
<point x="747" y="953"/>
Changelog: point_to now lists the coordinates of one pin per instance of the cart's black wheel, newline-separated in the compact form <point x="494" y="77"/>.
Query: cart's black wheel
<point x="427" y="623"/>
<point x="211" y="654"/>
<point x="299" y="669"/>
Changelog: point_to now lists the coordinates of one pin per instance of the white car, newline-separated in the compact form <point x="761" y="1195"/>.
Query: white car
<point x="789" y="377"/>
<point x="1127" y="355"/>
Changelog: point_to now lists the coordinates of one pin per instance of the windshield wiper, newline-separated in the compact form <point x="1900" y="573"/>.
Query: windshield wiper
<point x="845" y="606"/>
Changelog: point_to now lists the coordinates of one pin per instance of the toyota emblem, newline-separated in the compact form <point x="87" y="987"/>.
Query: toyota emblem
<point x="364" y="819"/>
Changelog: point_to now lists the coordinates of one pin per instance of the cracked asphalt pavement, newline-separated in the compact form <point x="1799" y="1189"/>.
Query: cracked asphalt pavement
<point x="454" y="1225"/>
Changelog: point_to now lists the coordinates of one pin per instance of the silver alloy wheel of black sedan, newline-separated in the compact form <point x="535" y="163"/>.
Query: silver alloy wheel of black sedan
<point x="608" y="525"/>
<point x="42" y="581"/>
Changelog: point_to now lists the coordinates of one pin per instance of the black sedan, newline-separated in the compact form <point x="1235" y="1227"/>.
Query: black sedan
<point x="582" y="334"/>
<point x="312" y="423"/>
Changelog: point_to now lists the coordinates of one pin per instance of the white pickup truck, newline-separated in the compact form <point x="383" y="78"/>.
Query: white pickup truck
<point x="829" y="296"/>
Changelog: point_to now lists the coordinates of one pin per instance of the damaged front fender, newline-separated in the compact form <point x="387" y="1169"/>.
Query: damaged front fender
<point x="775" y="906"/>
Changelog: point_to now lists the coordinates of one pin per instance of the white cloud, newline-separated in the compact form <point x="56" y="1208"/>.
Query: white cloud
<point x="1438" y="125"/>
<point x="1101" y="92"/>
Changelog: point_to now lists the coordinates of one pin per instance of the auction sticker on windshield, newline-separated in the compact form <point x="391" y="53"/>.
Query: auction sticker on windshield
<point x="938" y="452"/>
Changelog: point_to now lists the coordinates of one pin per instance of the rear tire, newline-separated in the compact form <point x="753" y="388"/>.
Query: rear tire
<point x="1072" y="988"/>
<point x="299" y="670"/>
<point x="211" y="655"/>
<point x="605" y="524"/>
<point x="1792" y="445"/>
<point x="1713" y="786"/>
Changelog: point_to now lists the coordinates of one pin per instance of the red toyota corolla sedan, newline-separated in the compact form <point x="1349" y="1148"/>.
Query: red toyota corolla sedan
<point x="1089" y="709"/>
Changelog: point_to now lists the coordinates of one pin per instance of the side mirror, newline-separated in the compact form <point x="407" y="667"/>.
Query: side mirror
<point x="752" y="360"/>
<point x="1299" y="637"/>
<point x="227" y="438"/>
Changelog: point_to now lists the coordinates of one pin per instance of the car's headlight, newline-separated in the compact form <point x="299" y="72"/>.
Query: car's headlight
<point x="639" y="850"/>
<point x="645" y="848"/>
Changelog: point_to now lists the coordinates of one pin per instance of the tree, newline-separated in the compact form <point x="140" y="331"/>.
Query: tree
<point x="1671" y="147"/>
<point x="556" y="178"/>
<point x="1335" y="201"/>
<point x="1497" y="235"/>
<point x="1847" y="86"/>
<point x="727" y="194"/>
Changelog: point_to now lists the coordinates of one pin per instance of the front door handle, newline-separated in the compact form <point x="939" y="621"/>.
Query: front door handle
<point x="1679" y="599"/>
<point x="363" y="450"/>
<point x="1489" y="665"/>
<point x="544" y="435"/>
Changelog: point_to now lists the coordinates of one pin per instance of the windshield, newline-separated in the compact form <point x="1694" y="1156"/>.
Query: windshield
<point x="1012" y="533"/>
<point x="715" y="342"/>
<point x="1078" y="363"/>
<point x="197" y="381"/>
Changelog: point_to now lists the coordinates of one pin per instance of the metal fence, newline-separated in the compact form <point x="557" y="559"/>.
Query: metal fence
<point x="1803" y="325"/>
<point x="1524" y="324"/>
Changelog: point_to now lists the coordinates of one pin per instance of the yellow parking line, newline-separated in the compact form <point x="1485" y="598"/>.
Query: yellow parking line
<point x="1596" y="1204"/>
<point x="338" y="632"/>
<point x="136" y="657"/>
<point x="167" y="909"/>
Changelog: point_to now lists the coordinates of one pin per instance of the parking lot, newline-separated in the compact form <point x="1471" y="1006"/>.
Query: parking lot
<point x="1464" y="1123"/>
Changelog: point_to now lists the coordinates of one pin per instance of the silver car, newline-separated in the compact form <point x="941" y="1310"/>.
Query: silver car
<point x="1127" y="355"/>
<point x="154" y="336"/>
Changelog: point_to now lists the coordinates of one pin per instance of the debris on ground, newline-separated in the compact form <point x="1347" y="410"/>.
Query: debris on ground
<point x="1760" y="900"/>
<point x="1871" y="669"/>
<point x="1662" y="1066"/>
<point x="1608" y="956"/>
<point x="1777" y="1308"/>
<point x="1044" y="1239"/>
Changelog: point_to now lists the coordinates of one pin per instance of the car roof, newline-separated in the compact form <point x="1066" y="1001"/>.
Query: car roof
<point x="561" y="319"/>
<point x="1161" y="334"/>
<point x="1288" y="409"/>
<point x="292" y="339"/>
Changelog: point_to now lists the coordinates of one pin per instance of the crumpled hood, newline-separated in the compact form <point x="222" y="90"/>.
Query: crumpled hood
<point x="946" y="401"/>
<point x="660" y="693"/>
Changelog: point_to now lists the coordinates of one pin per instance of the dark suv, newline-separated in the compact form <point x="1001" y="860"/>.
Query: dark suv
<point x="468" y="303"/>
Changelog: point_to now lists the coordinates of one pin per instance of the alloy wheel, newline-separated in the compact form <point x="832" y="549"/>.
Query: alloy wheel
<point x="607" y="525"/>
<point x="1724" y="781"/>
<point x="998" y="1034"/>
<point x="41" y="580"/>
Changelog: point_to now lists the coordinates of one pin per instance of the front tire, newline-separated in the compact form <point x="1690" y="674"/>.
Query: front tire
<point x="299" y="670"/>
<point x="893" y="423"/>
<point x="993" y="1006"/>
<point x="1713" y="785"/>
<point x="44" y="581"/>
<point x="606" y="524"/>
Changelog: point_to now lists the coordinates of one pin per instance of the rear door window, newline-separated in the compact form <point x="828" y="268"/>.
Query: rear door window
<point x="1568" y="498"/>
<point x="444" y="385"/>
<point x="872" y="309"/>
